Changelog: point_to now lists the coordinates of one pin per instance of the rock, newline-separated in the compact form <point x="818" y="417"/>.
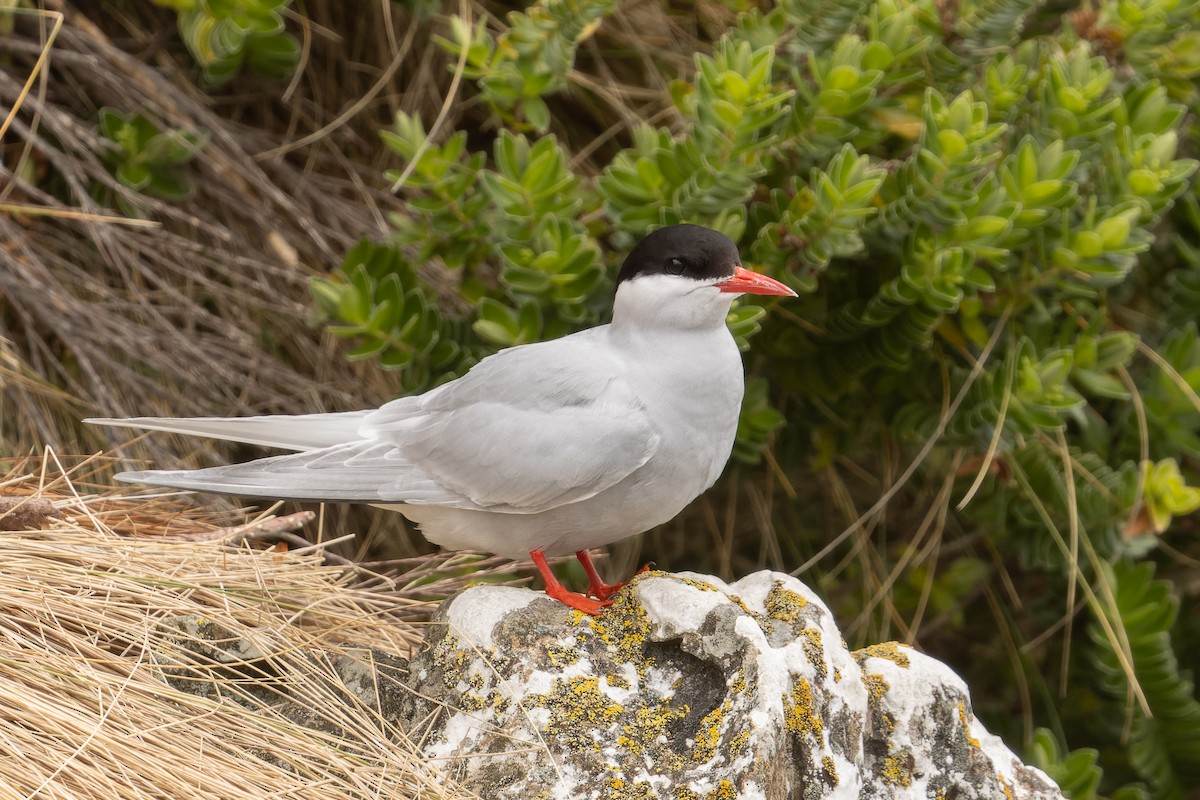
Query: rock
<point x="688" y="688"/>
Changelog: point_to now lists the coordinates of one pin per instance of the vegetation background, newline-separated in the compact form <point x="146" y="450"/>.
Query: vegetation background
<point x="978" y="430"/>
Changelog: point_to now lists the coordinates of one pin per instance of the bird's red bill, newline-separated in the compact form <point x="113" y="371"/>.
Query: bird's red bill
<point x="745" y="281"/>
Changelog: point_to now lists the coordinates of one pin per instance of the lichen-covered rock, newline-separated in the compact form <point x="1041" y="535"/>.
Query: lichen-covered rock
<point x="689" y="688"/>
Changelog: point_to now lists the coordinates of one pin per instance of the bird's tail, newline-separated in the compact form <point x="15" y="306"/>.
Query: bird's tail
<point x="299" y="432"/>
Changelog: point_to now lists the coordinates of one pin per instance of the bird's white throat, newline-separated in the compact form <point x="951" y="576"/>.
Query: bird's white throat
<point x="670" y="303"/>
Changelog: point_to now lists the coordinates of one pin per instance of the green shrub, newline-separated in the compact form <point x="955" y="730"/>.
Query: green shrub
<point x="224" y="35"/>
<point x="148" y="159"/>
<point x="994" y="237"/>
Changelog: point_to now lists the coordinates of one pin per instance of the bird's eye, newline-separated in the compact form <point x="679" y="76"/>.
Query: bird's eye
<point x="676" y="266"/>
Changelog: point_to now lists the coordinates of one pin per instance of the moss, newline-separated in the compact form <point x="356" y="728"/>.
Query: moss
<point x="799" y="710"/>
<point x="887" y="650"/>
<point x="784" y="604"/>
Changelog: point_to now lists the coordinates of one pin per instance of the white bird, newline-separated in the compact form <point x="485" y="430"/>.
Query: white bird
<point x="546" y="448"/>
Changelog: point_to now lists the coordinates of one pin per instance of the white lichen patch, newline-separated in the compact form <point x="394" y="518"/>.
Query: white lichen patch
<point x="675" y="605"/>
<point x="475" y="614"/>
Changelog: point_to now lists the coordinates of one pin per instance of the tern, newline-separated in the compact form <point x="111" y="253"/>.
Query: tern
<point x="548" y="448"/>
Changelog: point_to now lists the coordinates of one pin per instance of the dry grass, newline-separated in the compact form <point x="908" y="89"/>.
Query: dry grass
<point x="206" y="311"/>
<point x="85" y="612"/>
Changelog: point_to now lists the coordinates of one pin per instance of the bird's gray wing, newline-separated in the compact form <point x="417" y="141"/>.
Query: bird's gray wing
<point x="528" y="429"/>
<point x="299" y="432"/>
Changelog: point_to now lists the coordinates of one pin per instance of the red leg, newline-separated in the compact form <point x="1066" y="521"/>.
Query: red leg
<point x="559" y="592"/>
<point x="596" y="586"/>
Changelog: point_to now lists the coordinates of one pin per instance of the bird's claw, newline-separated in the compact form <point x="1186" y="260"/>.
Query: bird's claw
<point x="578" y="601"/>
<point x="605" y="591"/>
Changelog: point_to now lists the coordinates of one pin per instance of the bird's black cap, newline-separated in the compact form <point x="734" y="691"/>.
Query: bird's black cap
<point x="687" y="250"/>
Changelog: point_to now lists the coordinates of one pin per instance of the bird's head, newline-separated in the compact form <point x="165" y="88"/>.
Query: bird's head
<point x="685" y="276"/>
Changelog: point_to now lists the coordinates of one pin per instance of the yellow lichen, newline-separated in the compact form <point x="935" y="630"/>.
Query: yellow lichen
<point x="830" y="770"/>
<point x="725" y="791"/>
<point x="701" y="585"/>
<point x="966" y="723"/>
<point x="737" y="745"/>
<point x="451" y="660"/>
<point x="576" y="705"/>
<point x="560" y="655"/>
<point x="877" y="686"/>
<point x="681" y="792"/>
<point x="470" y="702"/>
<point x="1004" y="787"/>
<point x="648" y="727"/>
<point x="617" y="681"/>
<point x="887" y="650"/>
<point x="837" y="675"/>
<point x="784" y="604"/>
<point x="897" y="771"/>
<point x="708" y="736"/>
<point x="799" y="710"/>
<point x="815" y="651"/>
<point x="624" y="626"/>
<point x="497" y="701"/>
<point x="617" y="788"/>
<point x="738" y="684"/>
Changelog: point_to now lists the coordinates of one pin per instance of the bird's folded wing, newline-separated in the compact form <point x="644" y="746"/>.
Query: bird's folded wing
<point x="300" y="432"/>
<point x="517" y="461"/>
<point x="526" y="430"/>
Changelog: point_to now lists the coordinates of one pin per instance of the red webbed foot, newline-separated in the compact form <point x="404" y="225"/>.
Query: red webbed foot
<point x="555" y="589"/>
<point x="596" y="586"/>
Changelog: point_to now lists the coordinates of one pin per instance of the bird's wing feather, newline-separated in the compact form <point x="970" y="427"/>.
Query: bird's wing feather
<point x="358" y="472"/>
<point x="526" y="430"/>
<point x="299" y="432"/>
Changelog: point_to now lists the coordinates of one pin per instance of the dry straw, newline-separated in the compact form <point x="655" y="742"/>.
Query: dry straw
<point x="89" y="629"/>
